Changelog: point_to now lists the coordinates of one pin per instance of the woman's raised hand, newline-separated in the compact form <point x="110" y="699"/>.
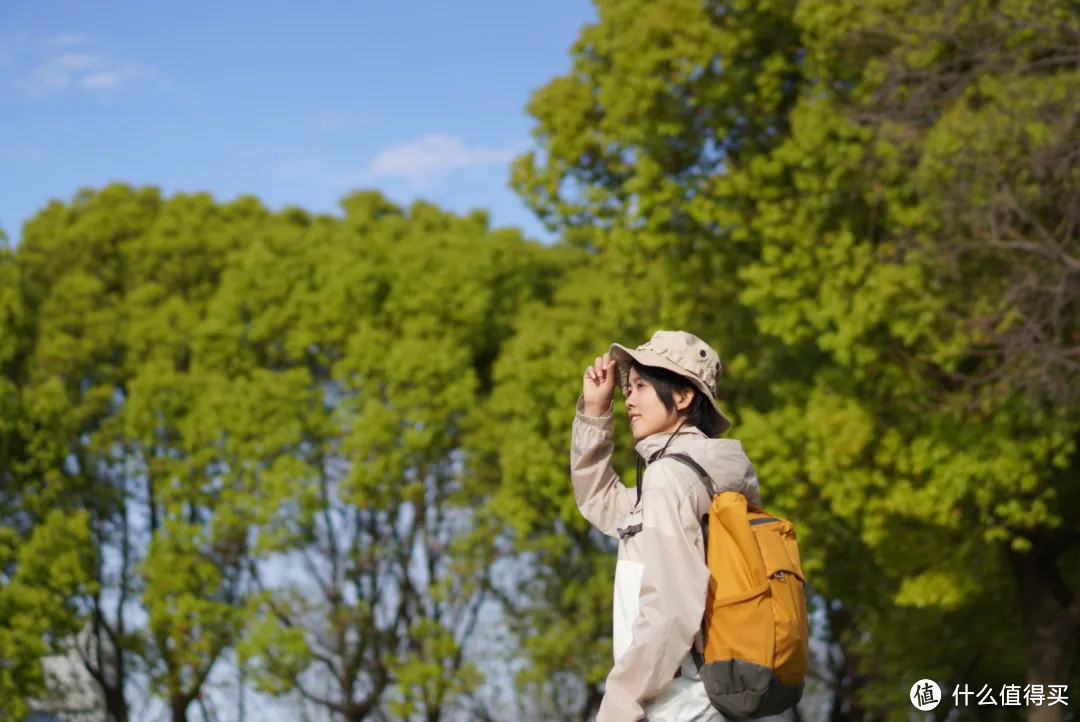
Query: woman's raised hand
<point x="598" y="386"/>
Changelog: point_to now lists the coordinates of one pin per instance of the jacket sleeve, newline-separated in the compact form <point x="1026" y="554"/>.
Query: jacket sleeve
<point x="671" y="602"/>
<point x="601" y="497"/>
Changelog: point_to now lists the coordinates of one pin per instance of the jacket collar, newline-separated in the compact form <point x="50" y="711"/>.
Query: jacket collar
<point x="654" y="442"/>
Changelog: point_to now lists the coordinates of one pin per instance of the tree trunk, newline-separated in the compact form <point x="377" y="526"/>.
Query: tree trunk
<point x="178" y="707"/>
<point x="847" y="679"/>
<point x="1051" y="615"/>
<point x="116" y="708"/>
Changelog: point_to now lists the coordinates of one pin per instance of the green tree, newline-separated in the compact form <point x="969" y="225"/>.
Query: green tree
<point x="918" y="224"/>
<point x="114" y="284"/>
<point x="226" y="393"/>
<point x="821" y="189"/>
<point x="359" y="351"/>
<point x="40" y="571"/>
<point x="44" y="562"/>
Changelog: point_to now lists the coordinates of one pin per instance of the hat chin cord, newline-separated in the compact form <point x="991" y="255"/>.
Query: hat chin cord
<point x="654" y="457"/>
<point x="660" y="453"/>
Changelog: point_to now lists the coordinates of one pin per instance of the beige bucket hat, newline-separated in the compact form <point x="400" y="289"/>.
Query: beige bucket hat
<point x="680" y="352"/>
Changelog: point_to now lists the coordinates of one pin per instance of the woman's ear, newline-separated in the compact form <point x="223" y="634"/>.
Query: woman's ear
<point x="683" y="399"/>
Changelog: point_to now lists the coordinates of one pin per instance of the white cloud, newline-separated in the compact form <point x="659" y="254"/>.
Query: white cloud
<point x="110" y="79"/>
<point x="419" y="163"/>
<point x="65" y="62"/>
<point x="422" y="160"/>
<point x="66" y="40"/>
<point x="78" y="61"/>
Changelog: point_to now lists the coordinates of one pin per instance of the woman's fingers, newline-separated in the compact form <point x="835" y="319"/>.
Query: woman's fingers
<point x="600" y="371"/>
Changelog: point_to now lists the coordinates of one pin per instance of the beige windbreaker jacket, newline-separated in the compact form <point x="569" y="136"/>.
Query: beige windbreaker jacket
<point x="660" y="577"/>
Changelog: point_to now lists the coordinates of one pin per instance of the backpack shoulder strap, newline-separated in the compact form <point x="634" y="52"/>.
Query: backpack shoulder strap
<point x="704" y="477"/>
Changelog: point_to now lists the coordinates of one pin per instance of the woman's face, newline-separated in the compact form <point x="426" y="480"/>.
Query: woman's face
<point x="647" y="412"/>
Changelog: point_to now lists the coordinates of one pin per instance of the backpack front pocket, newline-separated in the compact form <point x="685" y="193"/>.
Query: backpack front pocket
<point x="747" y="629"/>
<point x="788" y="595"/>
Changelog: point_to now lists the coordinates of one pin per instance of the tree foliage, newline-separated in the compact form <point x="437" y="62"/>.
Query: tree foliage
<point x="869" y="208"/>
<point x="330" y="446"/>
<point x="258" y="418"/>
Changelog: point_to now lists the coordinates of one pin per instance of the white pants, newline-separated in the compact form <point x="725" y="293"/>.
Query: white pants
<point x="683" y="700"/>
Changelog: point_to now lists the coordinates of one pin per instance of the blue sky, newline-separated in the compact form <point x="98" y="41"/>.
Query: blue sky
<point x="296" y="103"/>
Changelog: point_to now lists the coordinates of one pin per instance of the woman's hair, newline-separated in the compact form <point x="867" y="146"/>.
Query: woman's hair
<point x="700" y="413"/>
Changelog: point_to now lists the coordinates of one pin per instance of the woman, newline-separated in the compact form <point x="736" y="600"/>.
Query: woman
<point x="660" y="578"/>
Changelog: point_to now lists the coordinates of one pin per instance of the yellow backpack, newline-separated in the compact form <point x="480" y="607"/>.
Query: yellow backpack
<point x="755" y="628"/>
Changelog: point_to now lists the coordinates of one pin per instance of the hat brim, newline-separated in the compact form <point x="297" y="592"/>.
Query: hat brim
<point x="624" y="355"/>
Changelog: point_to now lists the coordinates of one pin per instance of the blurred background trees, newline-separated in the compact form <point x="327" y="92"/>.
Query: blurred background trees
<point x="331" y="450"/>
